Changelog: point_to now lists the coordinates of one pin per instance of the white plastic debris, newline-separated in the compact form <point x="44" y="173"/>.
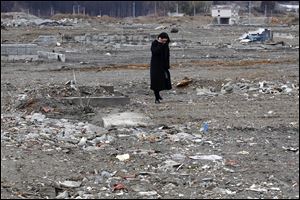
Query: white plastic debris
<point x="123" y="157"/>
<point x="70" y="184"/>
<point x="243" y="152"/>
<point x="160" y="27"/>
<point x="223" y="191"/>
<point x="257" y="188"/>
<point x="149" y="193"/>
<point x="82" y="142"/>
<point x="62" y="195"/>
<point x="22" y="97"/>
<point x="206" y="157"/>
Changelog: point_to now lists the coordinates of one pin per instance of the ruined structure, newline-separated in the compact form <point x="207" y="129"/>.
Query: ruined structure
<point x="225" y="14"/>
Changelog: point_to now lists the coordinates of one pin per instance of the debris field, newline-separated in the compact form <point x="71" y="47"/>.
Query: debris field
<point x="229" y="127"/>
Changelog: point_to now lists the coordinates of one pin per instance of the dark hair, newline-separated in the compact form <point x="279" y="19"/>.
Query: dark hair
<point x="164" y="35"/>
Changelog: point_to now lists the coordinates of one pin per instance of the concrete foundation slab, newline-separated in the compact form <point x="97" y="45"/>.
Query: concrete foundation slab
<point x="19" y="57"/>
<point x="46" y="40"/>
<point x="52" y="56"/>
<point x="126" y="119"/>
<point x="99" y="101"/>
<point x="18" y="49"/>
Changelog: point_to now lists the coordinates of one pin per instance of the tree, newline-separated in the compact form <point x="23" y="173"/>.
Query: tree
<point x="188" y="7"/>
<point x="267" y="6"/>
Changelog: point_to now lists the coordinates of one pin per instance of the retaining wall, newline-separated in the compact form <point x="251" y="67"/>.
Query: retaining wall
<point x="13" y="52"/>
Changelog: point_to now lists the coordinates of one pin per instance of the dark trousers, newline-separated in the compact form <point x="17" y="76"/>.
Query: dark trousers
<point x="156" y="93"/>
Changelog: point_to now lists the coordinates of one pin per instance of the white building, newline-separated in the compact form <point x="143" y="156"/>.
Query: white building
<point x="225" y="14"/>
<point x="289" y="8"/>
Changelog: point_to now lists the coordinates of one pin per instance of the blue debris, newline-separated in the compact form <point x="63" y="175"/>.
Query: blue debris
<point x="260" y="35"/>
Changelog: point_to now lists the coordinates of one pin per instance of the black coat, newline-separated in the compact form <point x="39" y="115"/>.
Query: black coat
<point x="159" y="69"/>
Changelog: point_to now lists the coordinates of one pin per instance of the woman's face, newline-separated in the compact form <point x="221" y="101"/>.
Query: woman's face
<point x="162" y="40"/>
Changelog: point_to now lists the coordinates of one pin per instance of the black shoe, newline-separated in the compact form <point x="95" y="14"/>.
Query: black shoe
<point x="160" y="98"/>
<point x="157" y="101"/>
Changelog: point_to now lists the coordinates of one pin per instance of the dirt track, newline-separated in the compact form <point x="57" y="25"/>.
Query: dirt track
<point x="255" y="133"/>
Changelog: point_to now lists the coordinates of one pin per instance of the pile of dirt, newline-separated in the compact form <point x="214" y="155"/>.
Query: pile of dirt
<point x="68" y="90"/>
<point x="48" y="99"/>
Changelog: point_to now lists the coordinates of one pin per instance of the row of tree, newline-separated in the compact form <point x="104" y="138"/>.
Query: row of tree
<point x="111" y="8"/>
<point x="116" y="8"/>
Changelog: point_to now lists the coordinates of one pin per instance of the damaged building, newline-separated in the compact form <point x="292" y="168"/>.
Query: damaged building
<point x="225" y="14"/>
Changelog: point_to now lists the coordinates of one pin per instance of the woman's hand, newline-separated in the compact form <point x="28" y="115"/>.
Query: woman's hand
<point x="162" y="40"/>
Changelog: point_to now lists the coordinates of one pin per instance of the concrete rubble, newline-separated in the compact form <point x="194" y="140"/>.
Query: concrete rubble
<point x="18" y="19"/>
<point x="51" y="56"/>
<point x="246" y="87"/>
<point x="260" y="35"/>
<point x="62" y="135"/>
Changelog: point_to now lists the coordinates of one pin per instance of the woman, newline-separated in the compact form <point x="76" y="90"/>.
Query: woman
<point x="160" y="64"/>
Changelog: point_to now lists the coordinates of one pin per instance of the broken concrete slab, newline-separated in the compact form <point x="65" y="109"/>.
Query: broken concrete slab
<point x="19" y="57"/>
<point x="18" y="49"/>
<point x="46" y="40"/>
<point x="126" y="119"/>
<point x="99" y="101"/>
<point x="261" y="35"/>
<point x="52" y="56"/>
<point x="12" y="52"/>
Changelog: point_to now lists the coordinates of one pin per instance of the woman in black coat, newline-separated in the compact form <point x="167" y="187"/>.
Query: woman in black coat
<point x="160" y="64"/>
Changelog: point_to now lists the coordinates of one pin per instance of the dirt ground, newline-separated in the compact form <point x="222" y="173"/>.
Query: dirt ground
<point x="252" y="141"/>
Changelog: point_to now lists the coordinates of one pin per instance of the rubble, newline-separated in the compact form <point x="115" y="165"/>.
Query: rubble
<point x="52" y="56"/>
<point x="125" y="119"/>
<point x="245" y="87"/>
<point x="260" y="35"/>
<point x="20" y="19"/>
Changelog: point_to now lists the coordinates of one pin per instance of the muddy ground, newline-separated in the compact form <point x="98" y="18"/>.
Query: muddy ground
<point x="251" y="145"/>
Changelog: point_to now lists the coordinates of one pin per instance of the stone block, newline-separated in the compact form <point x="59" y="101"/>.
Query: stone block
<point x="52" y="56"/>
<point x="98" y="101"/>
<point x="22" y="57"/>
<point x="125" y="119"/>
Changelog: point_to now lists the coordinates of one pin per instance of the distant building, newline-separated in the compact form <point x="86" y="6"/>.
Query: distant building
<point x="288" y="8"/>
<point x="225" y="14"/>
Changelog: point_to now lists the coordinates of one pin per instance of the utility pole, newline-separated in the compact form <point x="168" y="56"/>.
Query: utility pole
<point x="155" y="7"/>
<point x="177" y="8"/>
<point x="78" y="9"/>
<point x="249" y="11"/>
<point x="83" y="11"/>
<point x="51" y="11"/>
<point x="194" y="8"/>
<point x="133" y="9"/>
<point x="73" y="9"/>
<point x="265" y="10"/>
